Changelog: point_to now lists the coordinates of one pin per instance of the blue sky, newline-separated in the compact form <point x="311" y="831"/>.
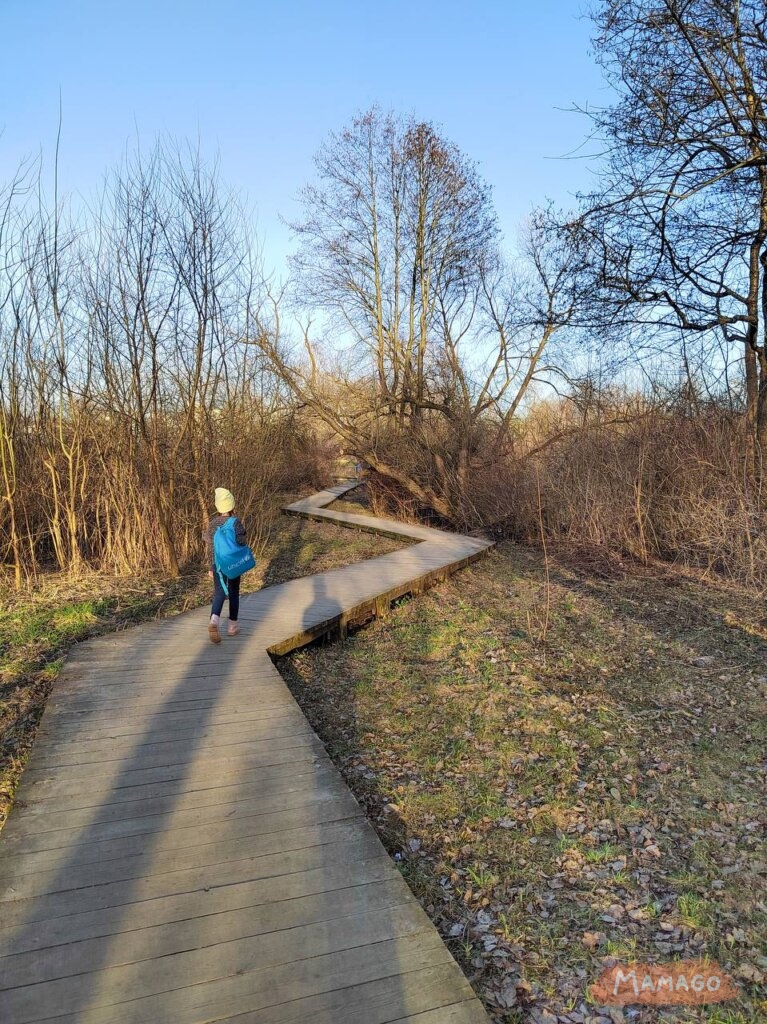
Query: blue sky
<point x="261" y="85"/>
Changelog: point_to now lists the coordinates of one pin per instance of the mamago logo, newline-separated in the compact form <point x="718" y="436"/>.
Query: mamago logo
<point x="686" y="983"/>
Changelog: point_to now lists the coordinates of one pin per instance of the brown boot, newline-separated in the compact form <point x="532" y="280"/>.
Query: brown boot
<point x="213" y="633"/>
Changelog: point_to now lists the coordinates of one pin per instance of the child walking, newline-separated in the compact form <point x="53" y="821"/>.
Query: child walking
<point x="224" y="502"/>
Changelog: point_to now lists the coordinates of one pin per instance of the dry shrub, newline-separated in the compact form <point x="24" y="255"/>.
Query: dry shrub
<point x="389" y="499"/>
<point x="641" y="481"/>
<point x="619" y="475"/>
<point x="116" y="521"/>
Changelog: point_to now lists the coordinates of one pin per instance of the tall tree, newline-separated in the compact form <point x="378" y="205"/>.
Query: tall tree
<point x="681" y="213"/>
<point x="399" y="248"/>
<point x="398" y="226"/>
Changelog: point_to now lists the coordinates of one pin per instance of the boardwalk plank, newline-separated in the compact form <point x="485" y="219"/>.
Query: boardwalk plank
<point x="214" y="899"/>
<point x="115" y="895"/>
<point x="114" y="985"/>
<point x="203" y="738"/>
<point x="204" y="1002"/>
<point x="184" y="724"/>
<point x="48" y="874"/>
<point x="224" y="761"/>
<point x="134" y="946"/>
<point x="189" y="809"/>
<point x="51" y="789"/>
<point x="176" y="837"/>
<point x="379" y="1002"/>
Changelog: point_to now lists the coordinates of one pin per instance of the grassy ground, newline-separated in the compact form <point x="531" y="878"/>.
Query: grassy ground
<point x="568" y="762"/>
<point x="38" y="627"/>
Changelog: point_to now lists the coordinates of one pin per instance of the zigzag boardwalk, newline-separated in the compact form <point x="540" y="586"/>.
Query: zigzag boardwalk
<point x="183" y="851"/>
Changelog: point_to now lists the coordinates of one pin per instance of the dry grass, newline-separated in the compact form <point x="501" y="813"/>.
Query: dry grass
<point x="557" y="805"/>
<point x="642" y="481"/>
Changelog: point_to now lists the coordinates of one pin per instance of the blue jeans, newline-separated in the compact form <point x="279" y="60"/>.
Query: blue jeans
<point x="219" y="596"/>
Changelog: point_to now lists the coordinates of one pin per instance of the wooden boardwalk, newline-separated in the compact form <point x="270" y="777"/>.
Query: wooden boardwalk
<point x="182" y="850"/>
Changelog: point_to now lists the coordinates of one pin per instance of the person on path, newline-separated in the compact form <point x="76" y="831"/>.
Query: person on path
<point x="224" y="502"/>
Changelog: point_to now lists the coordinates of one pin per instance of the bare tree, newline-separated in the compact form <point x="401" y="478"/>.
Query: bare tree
<point x="126" y="394"/>
<point x="396" y="225"/>
<point x="680" y="218"/>
<point x="437" y="337"/>
<point x="14" y="225"/>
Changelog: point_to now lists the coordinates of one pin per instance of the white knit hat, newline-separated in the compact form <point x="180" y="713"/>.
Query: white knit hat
<point x="224" y="500"/>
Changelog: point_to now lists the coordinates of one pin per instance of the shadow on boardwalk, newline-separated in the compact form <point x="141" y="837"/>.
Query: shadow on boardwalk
<point x="182" y="849"/>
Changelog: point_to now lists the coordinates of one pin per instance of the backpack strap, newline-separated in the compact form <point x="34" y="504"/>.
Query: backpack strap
<point x="222" y="578"/>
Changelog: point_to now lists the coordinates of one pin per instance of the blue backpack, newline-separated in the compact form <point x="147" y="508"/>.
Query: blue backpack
<point x="231" y="559"/>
